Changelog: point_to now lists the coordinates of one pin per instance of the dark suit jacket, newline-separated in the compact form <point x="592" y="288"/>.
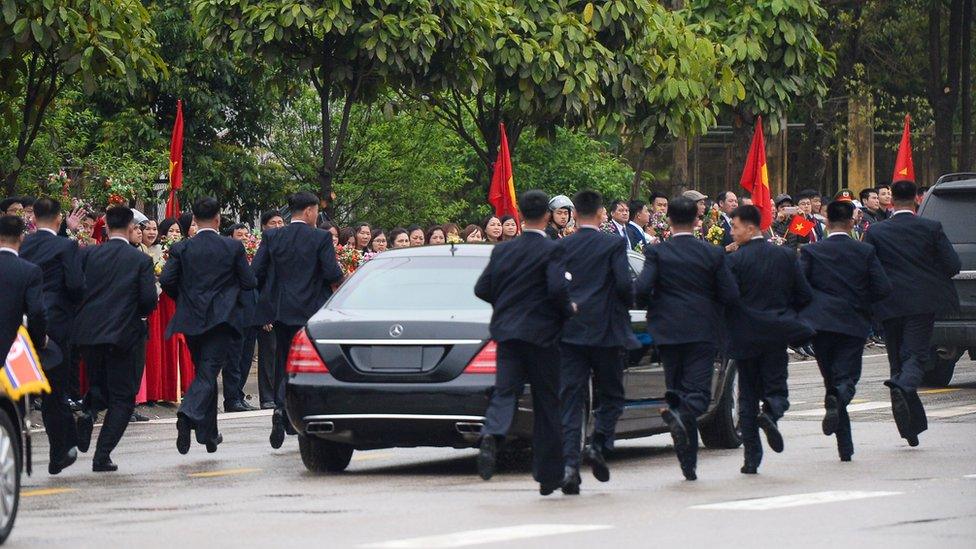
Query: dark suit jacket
<point x="772" y="290"/>
<point x="22" y="294"/>
<point x="205" y="276"/>
<point x="120" y="290"/>
<point x="920" y="263"/>
<point x="296" y="267"/>
<point x="727" y="226"/>
<point x="685" y="283"/>
<point x="526" y="283"/>
<point x="64" y="283"/>
<point x="602" y="289"/>
<point x="636" y="236"/>
<point x="847" y="280"/>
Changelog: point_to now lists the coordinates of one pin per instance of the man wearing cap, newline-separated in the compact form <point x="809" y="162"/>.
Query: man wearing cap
<point x="699" y="200"/>
<point x="847" y="279"/>
<point x="64" y="287"/>
<point x="785" y="210"/>
<point x="683" y="275"/>
<point x="561" y="208"/>
<point x="920" y="262"/>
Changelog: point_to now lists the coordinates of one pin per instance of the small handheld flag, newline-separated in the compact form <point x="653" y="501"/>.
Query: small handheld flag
<point x="904" y="167"/>
<point x="22" y="373"/>
<point x="800" y="225"/>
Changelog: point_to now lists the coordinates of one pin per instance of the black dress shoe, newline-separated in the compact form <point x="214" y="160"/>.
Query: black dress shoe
<point x="104" y="466"/>
<point x="689" y="472"/>
<point x="277" y="437"/>
<point x="546" y="488"/>
<point x="831" y="417"/>
<point x="137" y="417"/>
<point x="678" y="432"/>
<point x="267" y="405"/>
<point x="212" y="445"/>
<point x="182" y="434"/>
<point x="571" y="481"/>
<point x="487" y="457"/>
<point x="912" y="440"/>
<point x="239" y="406"/>
<point x="845" y="457"/>
<point x="749" y="469"/>
<point x="85" y="424"/>
<point x="598" y="464"/>
<point x="773" y="437"/>
<point x="64" y="462"/>
<point x="902" y="414"/>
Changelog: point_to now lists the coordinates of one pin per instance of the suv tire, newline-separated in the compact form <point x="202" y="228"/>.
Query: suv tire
<point x="940" y="369"/>
<point x="721" y="429"/>
<point x="324" y="456"/>
<point x="10" y="470"/>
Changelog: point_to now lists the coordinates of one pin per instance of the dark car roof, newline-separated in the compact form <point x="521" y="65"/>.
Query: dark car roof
<point x="954" y="186"/>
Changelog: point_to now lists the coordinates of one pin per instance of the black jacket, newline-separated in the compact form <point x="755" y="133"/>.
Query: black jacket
<point x="686" y="283"/>
<point x="771" y="292"/>
<point x="920" y="263"/>
<point x="205" y="275"/>
<point x="64" y="283"/>
<point x="526" y="283"/>
<point x="295" y="268"/>
<point x="847" y="279"/>
<point x="23" y="288"/>
<point x="120" y="291"/>
<point x="602" y="289"/>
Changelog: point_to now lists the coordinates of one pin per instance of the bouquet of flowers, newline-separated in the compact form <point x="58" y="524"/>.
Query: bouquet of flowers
<point x="712" y="227"/>
<point x="349" y="258"/>
<point x="165" y="244"/>
<point x="660" y="226"/>
<point x="61" y="180"/>
<point x="366" y="257"/>
<point x="777" y="240"/>
<point x="454" y="239"/>
<point x="251" y="244"/>
<point x="82" y="236"/>
<point x="119" y="192"/>
<point x="607" y="227"/>
<point x="715" y="235"/>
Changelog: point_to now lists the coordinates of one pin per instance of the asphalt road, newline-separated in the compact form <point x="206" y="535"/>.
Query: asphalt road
<point x="247" y="495"/>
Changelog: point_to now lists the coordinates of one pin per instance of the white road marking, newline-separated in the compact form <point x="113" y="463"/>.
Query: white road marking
<point x="793" y="500"/>
<point x="955" y="411"/>
<point x="969" y="476"/>
<point x="862" y="407"/>
<point x="489" y="535"/>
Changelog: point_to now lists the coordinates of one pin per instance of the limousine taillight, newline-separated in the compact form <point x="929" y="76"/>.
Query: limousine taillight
<point x="303" y="358"/>
<point x="485" y="362"/>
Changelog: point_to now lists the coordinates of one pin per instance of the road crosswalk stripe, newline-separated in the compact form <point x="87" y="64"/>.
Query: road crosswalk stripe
<point x="861" y="407"/>
<point x="224" y="473"/>
<point x="488" y="535"/>
<point x="792" y="500"/>
<point x="954" y="411"/>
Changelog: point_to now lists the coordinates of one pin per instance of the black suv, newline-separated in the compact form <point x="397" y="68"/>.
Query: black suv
<point x="952" y="201"/>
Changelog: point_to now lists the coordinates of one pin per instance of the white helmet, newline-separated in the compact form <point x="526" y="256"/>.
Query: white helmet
<point x="138" y="217"/>
<point x="560" y="201"/>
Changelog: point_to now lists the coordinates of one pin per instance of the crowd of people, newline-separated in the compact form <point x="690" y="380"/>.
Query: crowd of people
<point x="146" y="310"/>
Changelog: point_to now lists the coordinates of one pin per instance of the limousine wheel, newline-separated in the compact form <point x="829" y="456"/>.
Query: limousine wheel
<point x="324" y="456"/>
<point x="9" y="476"/>
<point x="721" y="429"/>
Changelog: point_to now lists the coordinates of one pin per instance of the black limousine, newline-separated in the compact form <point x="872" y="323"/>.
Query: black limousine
<point x="400" y="356"/>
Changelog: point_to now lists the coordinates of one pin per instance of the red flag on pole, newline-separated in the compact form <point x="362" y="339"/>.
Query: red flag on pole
<point x="904" y="167"/>
<point x="755" y="178"/>
<point x="501" y="194"/>
<point x="175" y="163"/>
<point x="801" y="225"/>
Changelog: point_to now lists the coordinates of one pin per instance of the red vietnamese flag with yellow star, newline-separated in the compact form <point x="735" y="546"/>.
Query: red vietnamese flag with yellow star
<point x="175" y="163"/>
<point x="801" y="225"/>
<point x="755" y="177"/>
<point x="904" y="167"/>
<point x="501" y="194"/>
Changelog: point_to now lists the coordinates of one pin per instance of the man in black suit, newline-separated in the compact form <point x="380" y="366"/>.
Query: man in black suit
<point x="727" y="203"/>
<point x="686" y="284"/>
<point x="64" y="287"/>
<point x="594" y="341"/>
<point x="526" y="283"/>
<point x="847" y="279"/>
<point x="120" y="292"/>
<point x="263" y="321"/>
<point x="296" y="267"/>
<point x="23" y="289"/>
<point x="920" y="262"/>
<point x="761" y="326"/>
<point x="205" y="275"/>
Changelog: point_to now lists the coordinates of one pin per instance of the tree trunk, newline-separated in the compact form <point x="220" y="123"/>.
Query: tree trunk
<point x="635" y="186"/>
<point x="679" y="165"/>
<point x="944" y="89"/>
<point x="966" y="90"/>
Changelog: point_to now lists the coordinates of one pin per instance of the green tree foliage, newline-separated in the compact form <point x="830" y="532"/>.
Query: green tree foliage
<point x="46" y="44"/>
<point x="350" y="51"/>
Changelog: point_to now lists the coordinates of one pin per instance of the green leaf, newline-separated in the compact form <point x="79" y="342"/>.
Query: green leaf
<point x="38" y="31"/>
<point x="9" y="11"/>
<point x="588" y="13"/>
<point x="110" y="34"/>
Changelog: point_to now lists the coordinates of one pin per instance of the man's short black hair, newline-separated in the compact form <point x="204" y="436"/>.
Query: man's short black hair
<point x="635" y="206"/>
<point x="46" y="209"/>
<point x="884" y="186"/>
<point x="748" y="214"/>
<point x="839" y="211"/>
<point x="11" y="227"/>
<point x="6" y="203"/>
<point x="588" y="202"/>
<point x="118" y="217"/>
<point x="206" y="208"/>
<point x="534" y="205"/>
<point x="27" y="201"/>
<point x="267" y="216"/>
<point x="903" y="191"/>
<point x="301" y="200"/>
<point x="618" y="202"/>
<point x="229" y="231"/>
<point x="863" y="195"/>
<point x="657" y="194"/>
<point x="807" y="193"/>
<point x="682" y="211"/>
<point x="722" y="196"/>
